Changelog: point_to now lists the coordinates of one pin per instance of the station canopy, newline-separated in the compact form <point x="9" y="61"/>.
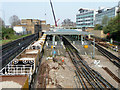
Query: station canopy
<point x="67" y="32"/>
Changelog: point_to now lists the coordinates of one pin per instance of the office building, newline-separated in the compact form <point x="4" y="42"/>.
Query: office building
<point x="102" y="12"/>
<point x="85" y="18"/>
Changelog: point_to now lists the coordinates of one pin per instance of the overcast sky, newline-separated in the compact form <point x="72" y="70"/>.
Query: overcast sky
<point x="36" y="9"/>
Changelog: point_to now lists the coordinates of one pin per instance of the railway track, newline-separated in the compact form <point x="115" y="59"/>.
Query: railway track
<point x="11" y="50"/>
<point x="111" y="74"/>
<point x="114" y="59"/>
<point x="88" y="78"/>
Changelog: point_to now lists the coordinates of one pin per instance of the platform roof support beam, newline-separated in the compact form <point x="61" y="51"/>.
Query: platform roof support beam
<point x="53" y="41"/>
<point x="89" y="36"/>
<point x="93" y="48"/>
<point x="81" y="38"/>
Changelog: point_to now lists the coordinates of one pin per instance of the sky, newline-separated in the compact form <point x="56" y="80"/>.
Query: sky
<point x="36" y="9"/>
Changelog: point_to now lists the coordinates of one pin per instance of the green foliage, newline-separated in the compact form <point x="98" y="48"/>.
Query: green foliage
<point x="7" y="33"/>
<point x="98" y="27"/>
<point x="113" y="28"/>
<point x="105" y="20"/>
<point x="12" y="38"/>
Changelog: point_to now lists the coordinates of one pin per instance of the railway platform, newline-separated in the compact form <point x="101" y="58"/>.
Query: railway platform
<point x="98" y="62"/>
<point x="57" y="73"/>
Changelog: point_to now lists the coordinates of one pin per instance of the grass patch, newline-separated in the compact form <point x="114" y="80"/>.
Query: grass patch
<point x="13" y="37"/>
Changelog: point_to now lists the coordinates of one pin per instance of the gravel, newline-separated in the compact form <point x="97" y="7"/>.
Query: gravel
<point x="10" y="84"/>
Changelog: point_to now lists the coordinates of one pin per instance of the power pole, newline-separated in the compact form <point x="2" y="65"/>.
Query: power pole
<point x="118" y="43"/>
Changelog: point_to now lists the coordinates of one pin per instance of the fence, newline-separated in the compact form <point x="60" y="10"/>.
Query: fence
<point x="17" y="70"/>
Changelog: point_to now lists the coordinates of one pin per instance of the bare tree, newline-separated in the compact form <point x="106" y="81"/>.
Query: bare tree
<point x="14" y="20"/>
<point x="67" y="23"/>
<point x="2" y="23"/>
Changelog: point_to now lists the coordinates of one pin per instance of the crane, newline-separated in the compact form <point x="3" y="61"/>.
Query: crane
<point x="53" y="13"/>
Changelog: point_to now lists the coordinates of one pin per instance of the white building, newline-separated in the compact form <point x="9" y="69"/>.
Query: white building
<point x="20" y="30"/>
<point x="85" y="18"/>
<point x="109" y="12"/>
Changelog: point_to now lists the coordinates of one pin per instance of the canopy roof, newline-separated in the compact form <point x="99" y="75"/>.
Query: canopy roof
<point x="67" y="32"/>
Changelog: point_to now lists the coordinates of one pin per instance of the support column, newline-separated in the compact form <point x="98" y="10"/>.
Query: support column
<point x="78" y="37"/>
<point x="81" y="39"/>
<point x="93" y="48"/>
<point x="89" y="36"/>
<point x="53" y="39"/>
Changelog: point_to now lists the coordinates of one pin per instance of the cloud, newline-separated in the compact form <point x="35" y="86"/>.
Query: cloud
<point x="59" y="0"/>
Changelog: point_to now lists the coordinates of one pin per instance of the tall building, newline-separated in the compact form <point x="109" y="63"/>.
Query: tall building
<point x="85" y="18"/>
<point x="109" y="12"/>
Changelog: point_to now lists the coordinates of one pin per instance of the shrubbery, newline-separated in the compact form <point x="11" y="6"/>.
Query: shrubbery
<point x="7" y="33"/>
<point x="113" y="28"/>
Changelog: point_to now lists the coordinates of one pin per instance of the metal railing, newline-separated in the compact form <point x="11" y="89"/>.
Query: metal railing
<point x="17" y="70"/>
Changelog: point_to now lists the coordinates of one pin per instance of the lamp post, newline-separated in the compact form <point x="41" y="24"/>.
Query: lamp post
<point x="118" y="12"/>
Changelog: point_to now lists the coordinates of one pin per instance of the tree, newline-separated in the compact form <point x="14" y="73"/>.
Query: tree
<point x="105" y="20"/>
<point x="14" y="20"/>
<point x="2" y="23"/>
<point x="7" y="33"/>
<point x="113" y="28"/>
<point x="67" y="23"/>
<point x="98" y="27"/>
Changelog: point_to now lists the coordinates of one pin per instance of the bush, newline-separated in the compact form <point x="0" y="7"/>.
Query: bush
<point x="98" y="27"/>
<point x="113" y="28"/>
<point x="7" y="33"/>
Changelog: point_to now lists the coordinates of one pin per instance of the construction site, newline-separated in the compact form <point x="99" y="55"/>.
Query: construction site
<point x="60" y="59"/>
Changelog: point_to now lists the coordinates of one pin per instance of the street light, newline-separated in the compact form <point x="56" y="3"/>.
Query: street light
<point x="118" y="12"/>
<point x="118" y="43"/>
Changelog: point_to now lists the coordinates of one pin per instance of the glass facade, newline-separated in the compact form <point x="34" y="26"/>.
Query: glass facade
<point x="108" y="12"/>
<point x="85" y="18"/>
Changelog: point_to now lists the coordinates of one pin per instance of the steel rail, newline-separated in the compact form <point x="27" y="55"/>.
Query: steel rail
<point x="88" y="71"/>
<point x="9" y="55"/>
<point x="84" y="75"/>
<point x="92" y="77"/>
<point x="77" y="69"/>
<point x="114" y="59"/>
<point x="79" y="79"/>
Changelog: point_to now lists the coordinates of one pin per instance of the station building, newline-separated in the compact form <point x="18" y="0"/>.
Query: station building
<point x="85" y="18"/>
<point x="109" y="12"/>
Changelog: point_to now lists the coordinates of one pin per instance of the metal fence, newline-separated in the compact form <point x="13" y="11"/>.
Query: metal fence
<point x="17" y="70"/>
